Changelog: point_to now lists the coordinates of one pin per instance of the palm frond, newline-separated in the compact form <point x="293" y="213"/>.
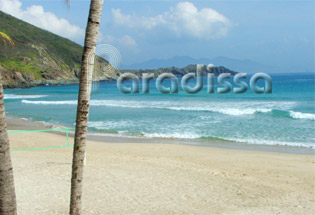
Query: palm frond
<point x="5" y="38"/>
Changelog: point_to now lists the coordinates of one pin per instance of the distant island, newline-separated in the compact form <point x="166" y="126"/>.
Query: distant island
<point x="43" y="58"/>
<point x="179" y="72"/>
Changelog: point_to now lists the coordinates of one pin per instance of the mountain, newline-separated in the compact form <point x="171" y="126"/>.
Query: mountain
<point x="40" y="57"/>
<point x="247" y="66"/>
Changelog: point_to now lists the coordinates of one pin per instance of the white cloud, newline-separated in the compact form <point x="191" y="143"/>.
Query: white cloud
<point x="36" y="15"/>
<point x="184" y="20"/>
<point x="125" y="41"/>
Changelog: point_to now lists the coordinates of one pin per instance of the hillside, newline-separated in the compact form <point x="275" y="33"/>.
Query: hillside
<point x="39" y="57"/>
<point x="43" y="58"/>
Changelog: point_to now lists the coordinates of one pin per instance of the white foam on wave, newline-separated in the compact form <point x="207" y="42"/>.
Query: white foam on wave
<point x="271" y="142"/>
<point x="67" y="102"/>
<point x="224" y="110"/>
<point x="299" y="115"/>
<point x="14" y="96"/>
<point x="109" y="124"/>
<point x="192" y="135"/>
<point x="119" y="134"/>
<point x="122" y="127"/>
<point x="174" y="135"/>
<point x="248" y="141"/>
<point x="246" y="111"/>
<point x="228" y="108"/>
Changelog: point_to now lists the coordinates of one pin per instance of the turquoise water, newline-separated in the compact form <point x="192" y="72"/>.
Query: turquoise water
<point x="285" y="117"/>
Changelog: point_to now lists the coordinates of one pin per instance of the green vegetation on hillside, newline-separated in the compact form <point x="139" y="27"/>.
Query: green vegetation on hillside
<point x="41" y="57"/>
<point x="30" y="41"/>
<point x="37" y="52"/>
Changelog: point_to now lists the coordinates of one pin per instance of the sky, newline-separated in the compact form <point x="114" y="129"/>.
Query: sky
<point x="272" y="32"/>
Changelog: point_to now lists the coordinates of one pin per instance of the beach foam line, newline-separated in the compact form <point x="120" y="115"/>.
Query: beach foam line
<point x="174" y="135"/>
<point x="16" y="96"/>
<point x="115" y="129"/>
<point x="271" y="142"/>
<point x="195" y="136"/>
<point x="236" y="140"/>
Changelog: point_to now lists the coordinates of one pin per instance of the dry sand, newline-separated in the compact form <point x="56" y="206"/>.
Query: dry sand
<point x="128" y="178"/>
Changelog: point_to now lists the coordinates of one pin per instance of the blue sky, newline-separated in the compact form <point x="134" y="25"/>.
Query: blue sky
<point x="277" y="33"/>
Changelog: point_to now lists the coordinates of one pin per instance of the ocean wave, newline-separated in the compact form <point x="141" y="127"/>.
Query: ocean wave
<point x="271" y="142"/>
<point x="195" y="136"/>
<point x="67" y="102"/>
<point x="14" y="96"/>
<point x="179" y="135"/>
<point x="122" y="129"/>
<point x="109" y="124"/>
<point x="238" y="112"/>
<point x="118" y="134"/>
<point x="174" y="135"/>
<point x="227" y="108"/>
<point x="299" y="115"/>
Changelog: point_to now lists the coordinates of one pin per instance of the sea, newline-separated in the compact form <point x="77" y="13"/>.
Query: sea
<point x="286" y="117"/>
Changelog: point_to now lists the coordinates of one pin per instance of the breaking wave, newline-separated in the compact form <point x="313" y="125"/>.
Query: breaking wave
<point x="227" y="108"/>
<point x="299" y="115"/>
<point x="14" y="96"/>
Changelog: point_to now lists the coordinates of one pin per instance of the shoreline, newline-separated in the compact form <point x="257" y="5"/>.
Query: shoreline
<point x="15" y="123"/>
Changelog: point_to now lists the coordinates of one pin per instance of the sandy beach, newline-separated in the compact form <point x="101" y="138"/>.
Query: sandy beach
<point x="152" y="178"/>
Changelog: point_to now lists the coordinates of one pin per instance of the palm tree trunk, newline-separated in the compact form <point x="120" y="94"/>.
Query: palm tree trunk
<point x="7" y="191"/>
<point x="87" y="67"/>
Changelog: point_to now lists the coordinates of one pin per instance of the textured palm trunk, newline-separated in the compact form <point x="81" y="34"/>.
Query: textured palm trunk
<point x="7" y="191"/>
<point x="87" y="67"/>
